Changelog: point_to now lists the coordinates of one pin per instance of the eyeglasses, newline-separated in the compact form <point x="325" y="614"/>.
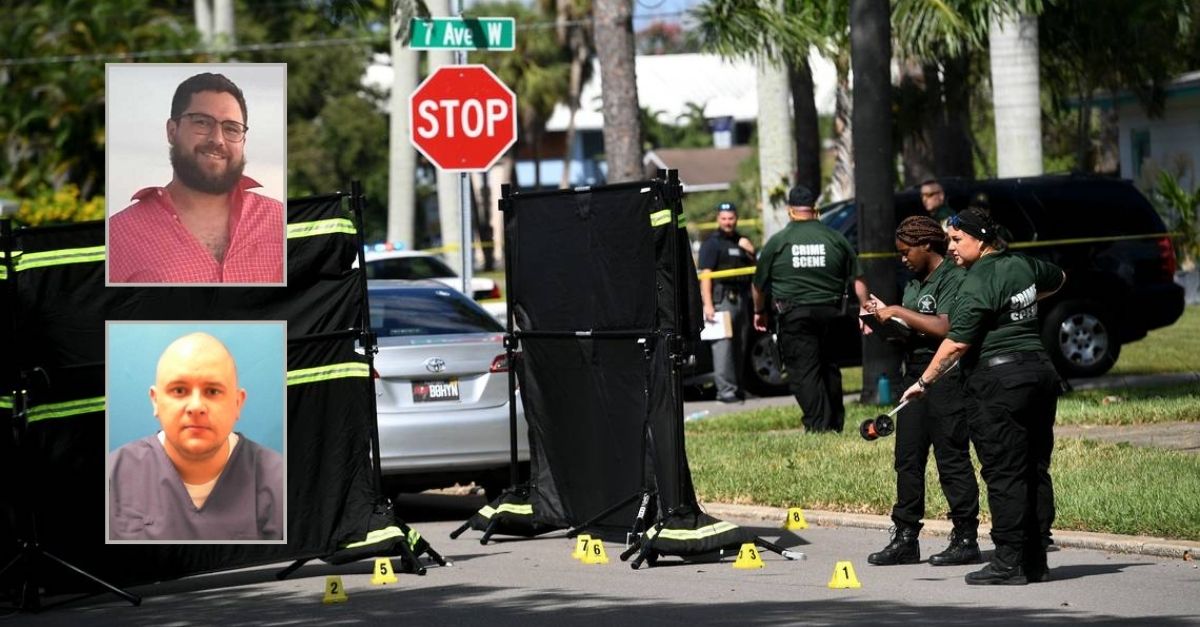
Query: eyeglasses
<point x="203" y="124"/>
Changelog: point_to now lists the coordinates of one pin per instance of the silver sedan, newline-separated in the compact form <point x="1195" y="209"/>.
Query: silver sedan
<point x="442" y="385"/>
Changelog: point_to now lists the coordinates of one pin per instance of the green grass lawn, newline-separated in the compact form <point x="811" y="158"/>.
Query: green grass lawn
<point x="763" y="457"/>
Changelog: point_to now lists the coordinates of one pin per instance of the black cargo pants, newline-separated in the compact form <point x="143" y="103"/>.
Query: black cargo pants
<point x="1013" y="432"/>
<point x="805" y="345"/>
<point x="939" y="419"/>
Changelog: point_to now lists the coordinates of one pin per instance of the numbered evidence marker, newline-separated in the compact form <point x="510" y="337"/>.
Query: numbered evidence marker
<point x="595" y="552"/>
<point x="748" y="557"/>
<point x="581" y="546"/>
<point x="843" y="576"/>
<point x="383" y="573"/>
<point x="795" y="519"/>
<point x="335" y="592"/>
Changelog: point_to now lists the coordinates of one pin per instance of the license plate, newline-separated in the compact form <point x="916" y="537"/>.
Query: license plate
<point x="434" y="391"/>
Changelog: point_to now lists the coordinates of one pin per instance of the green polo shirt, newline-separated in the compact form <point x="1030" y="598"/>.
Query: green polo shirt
<point x="996" y="309"/>
<point x="941" y="214"/>
<point x="807" y="263"/>
<point x="933" y="296"/>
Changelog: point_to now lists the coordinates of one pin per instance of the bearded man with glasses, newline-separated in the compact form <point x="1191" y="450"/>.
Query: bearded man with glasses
<point x="204" y="226"/>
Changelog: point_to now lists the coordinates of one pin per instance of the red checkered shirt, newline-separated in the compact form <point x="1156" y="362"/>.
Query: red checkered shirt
<point x="148" y="244"/>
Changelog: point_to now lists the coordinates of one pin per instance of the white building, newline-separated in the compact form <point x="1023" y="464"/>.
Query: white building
<point x="1165" y="140"/>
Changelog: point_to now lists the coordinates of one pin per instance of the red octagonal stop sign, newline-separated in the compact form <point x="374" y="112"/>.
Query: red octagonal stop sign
<point x="462" y="118"/>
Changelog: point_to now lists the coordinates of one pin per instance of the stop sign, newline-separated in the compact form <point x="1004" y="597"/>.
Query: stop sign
<point x="462" y="118"/>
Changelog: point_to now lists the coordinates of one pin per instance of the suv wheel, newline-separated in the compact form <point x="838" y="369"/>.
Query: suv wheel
<point x="1079" y="339"/>
<point x="763" y="375"/>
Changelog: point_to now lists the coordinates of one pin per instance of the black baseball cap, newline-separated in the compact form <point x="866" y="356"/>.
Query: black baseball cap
<point x="726" y="206"/>
<point x="800" y="196"/>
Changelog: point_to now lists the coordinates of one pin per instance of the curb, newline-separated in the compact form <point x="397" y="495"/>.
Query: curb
<point x="1113" y="543"/>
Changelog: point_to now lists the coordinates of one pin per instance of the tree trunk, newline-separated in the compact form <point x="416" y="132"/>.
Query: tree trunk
<point x="1016" y="95"/>
<point x="622" y="128"/>
<point x="1108" y="157"/>
<point x="776" y="164"/>
<point x="806" y="133"/>
<point x="578" y="45"/>
<point x="952" y="142"/>
<point x="402" y="157"/>
<point x="841" y="186"/>
<point x="449" y="210"/>
<point x="919" y="104"/>
<point x="874" y="173"/>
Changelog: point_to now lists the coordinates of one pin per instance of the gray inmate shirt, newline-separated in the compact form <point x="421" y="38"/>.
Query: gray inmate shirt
<point x="148" y="501"/>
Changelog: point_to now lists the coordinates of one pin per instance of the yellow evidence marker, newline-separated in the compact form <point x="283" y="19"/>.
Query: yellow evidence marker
<point x="795" y="519"/>
<point x="383" y="573"/>
<point x="335" y="592"/>
<point x="748" y="557"/>
<point x="843" y="576"/>
<point x="595" y="552"/>
<point x="581" y="546"/>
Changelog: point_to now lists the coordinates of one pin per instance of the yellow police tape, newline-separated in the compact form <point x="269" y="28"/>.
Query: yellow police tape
<point x="721" y="274"/>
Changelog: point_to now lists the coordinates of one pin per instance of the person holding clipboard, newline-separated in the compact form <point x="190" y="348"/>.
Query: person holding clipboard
<point x="941" y="419"/>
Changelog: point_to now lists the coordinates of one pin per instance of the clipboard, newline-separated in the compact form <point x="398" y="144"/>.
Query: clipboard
<point x="894" y="329"/>
<point x="720" y="328"/>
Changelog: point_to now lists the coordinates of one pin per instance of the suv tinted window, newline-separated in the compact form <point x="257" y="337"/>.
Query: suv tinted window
<point x="427" y="311"/>
<point x="1096" y="209"/>
<point x="1006" y="208"/>
<point x="408" y="268"/>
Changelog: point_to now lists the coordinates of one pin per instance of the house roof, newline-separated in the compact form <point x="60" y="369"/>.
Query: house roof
<point x="700" y="169"/>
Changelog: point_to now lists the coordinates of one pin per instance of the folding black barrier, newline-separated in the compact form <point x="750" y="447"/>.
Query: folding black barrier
<point x="55" y="306"/>
<point x="604" y="305"/>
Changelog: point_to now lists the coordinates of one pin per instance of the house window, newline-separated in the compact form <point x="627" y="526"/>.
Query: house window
<point x="1139" y="149"/>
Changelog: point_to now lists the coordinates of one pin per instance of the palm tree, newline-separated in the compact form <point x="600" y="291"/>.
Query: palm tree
<point x="575" y="32"/>
<point x="613" y="22"/>
<point x="1016" y="93"/>
<point x="777" y="34"/>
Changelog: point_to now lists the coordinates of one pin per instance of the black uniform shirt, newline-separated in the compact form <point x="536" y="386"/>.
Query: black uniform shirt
<point x="807" y="263"/>
<point x="721" y="252"/>
<point x="933" y="296"/>
<point x="996" y="308"/>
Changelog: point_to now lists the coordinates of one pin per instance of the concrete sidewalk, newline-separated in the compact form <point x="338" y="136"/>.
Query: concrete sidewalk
<point x="1114" y="543"/>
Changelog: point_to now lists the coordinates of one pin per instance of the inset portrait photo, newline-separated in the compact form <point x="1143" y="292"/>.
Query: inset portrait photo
<point x="196" y="173"/>
<point x="196" y="432"/>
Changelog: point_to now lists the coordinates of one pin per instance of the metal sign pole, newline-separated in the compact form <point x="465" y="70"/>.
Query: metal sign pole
<point x="464" y="197"/>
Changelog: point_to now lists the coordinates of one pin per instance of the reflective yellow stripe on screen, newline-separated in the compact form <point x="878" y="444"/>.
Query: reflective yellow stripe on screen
<point x="6" y="402"/>
<point x="487" y="511"/>
<point x="65" y="409"/>
<point x="320" y="227"/>
<point x="692" y="534"/>
<point x="659" y="218"/>
<point x="377" y="536"/>
<point x="28" y="261"/>
<point x="327" y="373"/>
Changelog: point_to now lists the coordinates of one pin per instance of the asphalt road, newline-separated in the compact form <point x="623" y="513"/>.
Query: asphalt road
<point x="535" y="582"/>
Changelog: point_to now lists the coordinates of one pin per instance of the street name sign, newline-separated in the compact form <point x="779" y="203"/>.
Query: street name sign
<point x="463" y="33"/>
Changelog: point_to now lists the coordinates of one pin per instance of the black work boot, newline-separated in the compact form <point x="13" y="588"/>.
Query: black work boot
<point x="1036" y="568"/>
<point x="1005" y="569"/>
<point x="903" y="549"/>
<point x="963" y="549"/>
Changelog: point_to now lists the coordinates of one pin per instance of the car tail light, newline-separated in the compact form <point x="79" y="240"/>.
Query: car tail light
<point x="499" y="364"/>
<point x="494" y="293"/>
<point x="375" y="374"/>
<point x="1167" y="254"/>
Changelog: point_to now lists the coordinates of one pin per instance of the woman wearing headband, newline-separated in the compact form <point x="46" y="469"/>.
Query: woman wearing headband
<point x="941" y="419"/>
<point x="994" y="334"/>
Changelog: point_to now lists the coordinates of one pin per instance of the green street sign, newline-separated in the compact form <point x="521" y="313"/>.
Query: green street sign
<point x="454" y="33"/>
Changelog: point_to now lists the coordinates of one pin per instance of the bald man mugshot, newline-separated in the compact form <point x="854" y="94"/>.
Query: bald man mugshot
<point x="197" y="478"/>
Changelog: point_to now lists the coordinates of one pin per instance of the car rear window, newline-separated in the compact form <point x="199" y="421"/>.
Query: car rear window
<point x="408" y="268"/>
<point x="427" y="311"/>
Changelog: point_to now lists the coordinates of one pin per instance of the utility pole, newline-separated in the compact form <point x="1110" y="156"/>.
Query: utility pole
<point x="402" y="167"/>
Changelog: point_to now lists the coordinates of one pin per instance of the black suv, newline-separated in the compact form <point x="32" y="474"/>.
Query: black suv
<point x="1103" y="232"/>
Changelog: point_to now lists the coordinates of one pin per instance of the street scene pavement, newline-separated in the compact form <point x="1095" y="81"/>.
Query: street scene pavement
<point x="536" y="582"/>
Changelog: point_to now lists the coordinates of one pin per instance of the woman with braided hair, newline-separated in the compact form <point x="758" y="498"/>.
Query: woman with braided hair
<point x="994" y="336"/>
<point x="941" y="420"/>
